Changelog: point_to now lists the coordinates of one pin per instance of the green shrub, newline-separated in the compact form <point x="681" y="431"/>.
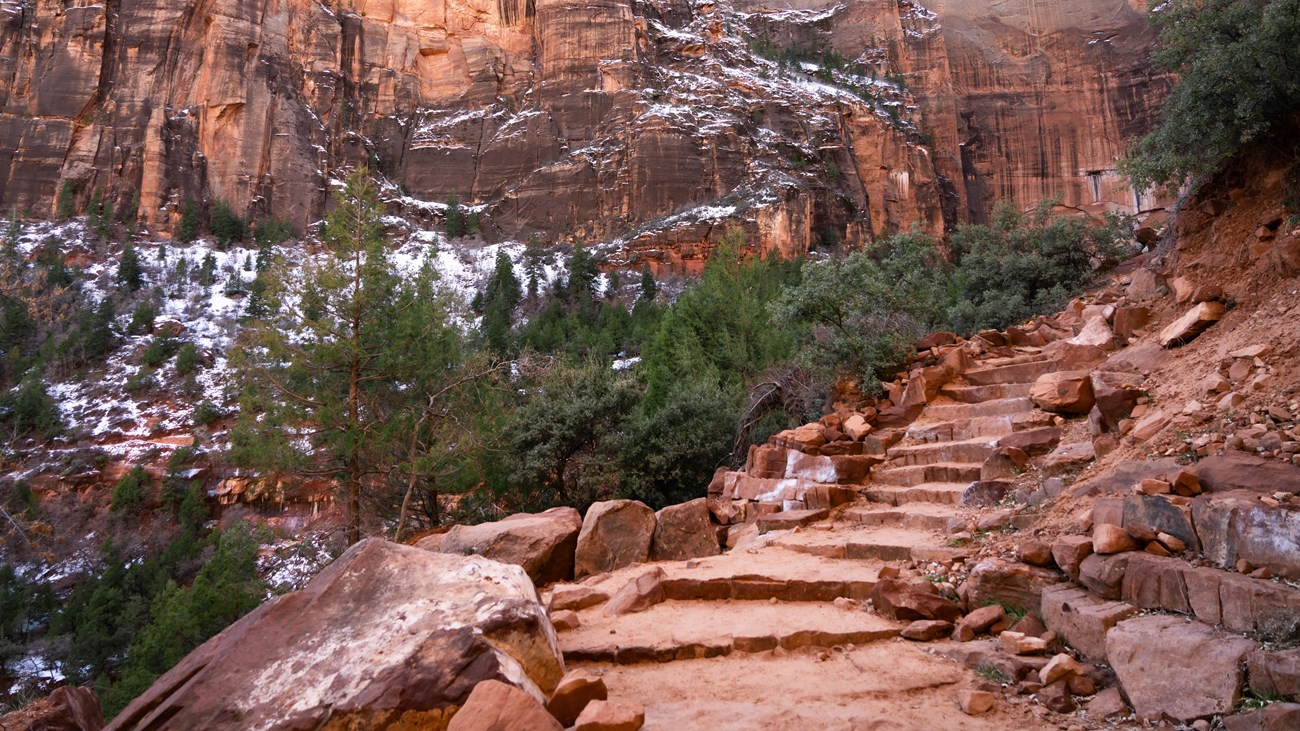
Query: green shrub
<point x="142" y="318"/>
<point x="206" y="412"/>
<point x="188" y="360"/>
<point x="1236" y="65"/>
<point x="226" y="226"/>
<point x="129" y="272"/>
<point x="67" y="205"/>
<point x="274" y="231"/>
<point x="31" y="411"/>
<point x="1024" y="265"/>
<point x="188" y="229"/>
<point x="454" y="220"/>
<point x="160" y="350"/>
<point x="128" y="494"/>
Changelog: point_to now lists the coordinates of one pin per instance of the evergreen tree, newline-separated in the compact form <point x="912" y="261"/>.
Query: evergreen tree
<point x="188" y="229"/>
<point x="582" y="273"/>
<point x="649" y="289"/>
<point x="369" y="366"/>
<point x="226" y="226"/>
<point x="498" y="303"/>
<point x="533" y="260"/>
<point x="130" y="273"/>
<point x="455" y="218"/>
<point x="67" y="204"/>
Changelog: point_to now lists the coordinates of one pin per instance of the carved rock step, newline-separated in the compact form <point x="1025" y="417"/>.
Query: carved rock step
<point x="979" y="394"/>
<point x="690" y="630"/>
<point x="945" y="493"/>
<point x="916" y="515"/>
<point x="966" y="472"/>
<point x="960" y="430"/>
<point x="970" y="450"/>
<point x="884" y="544"/>
<point x="1015" y="373"/>
<point x="1035" y="357"/>
<point x="994" y="407"/>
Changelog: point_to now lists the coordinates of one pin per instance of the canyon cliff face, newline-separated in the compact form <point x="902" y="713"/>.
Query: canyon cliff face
<point x="651" y="125"/>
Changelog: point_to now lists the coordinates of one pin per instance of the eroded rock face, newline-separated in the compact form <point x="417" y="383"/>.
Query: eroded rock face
<point x="386" y="635"/>
<point x="649" y="121"/>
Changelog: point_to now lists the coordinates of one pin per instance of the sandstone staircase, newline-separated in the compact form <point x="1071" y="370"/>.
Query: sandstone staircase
<point x="773" y="634"/>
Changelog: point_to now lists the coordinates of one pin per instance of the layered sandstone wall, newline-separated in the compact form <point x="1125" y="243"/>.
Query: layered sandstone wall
<point x="649" y="123"/>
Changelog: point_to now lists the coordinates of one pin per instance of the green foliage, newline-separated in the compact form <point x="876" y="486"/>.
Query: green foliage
<point x="160" y="350"/>
<point x="721" y="332"/>
<point x="1023" y="265"/>
<point x="128" y="494"/>
<point x="454" y="220"/>
<point x="226" y="226"/>
<point x="564" y="438"/>
<point x="130" y="273"/>
<point x="649" y="289"/>
<point x="67" y="203"/>
<point x="669" y="455"/>
<point x="30" y="411"/>
<point x="128" y="213"/>
<point x="534" y="257"/>
<point x="99" y="214"/>
<point x="368" y="358"/>
<point x="206" y="413"/>
<point x="188" y="229"/>
<point x="142" y="318"/>
<point x="866" y="309"/>
<point x="498" y="303"/>
<point x="1236" y="64"/>
<point x="273" y="231"/>
<point x="188" y="360"/>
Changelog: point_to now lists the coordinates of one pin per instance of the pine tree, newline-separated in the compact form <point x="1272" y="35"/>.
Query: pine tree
<point x="455" y="218"/>
<point x="533" y="256"/>
<point x="364" y="357"/>
<point x="649" y="289"/>
<point x="188" y="229"/>
<point x="129" y="272"/>
<point x="67" y="205"/>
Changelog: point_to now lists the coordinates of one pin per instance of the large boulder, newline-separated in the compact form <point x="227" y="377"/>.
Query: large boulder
<point x="1063" y="392"/>
<point x="543" y="543"/>
<point x="1235" y="526"/>
<point x="615" y="533"/>
<point x="1171" y="667"/>
<point x="387" y="636"/>
<point x="683" y="531"/>
<point x="67" y="708"/>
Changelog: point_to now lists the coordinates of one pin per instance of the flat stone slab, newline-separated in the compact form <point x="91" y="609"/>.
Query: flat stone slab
<point x="884" y="544"/>
<point x="1170" y="666"/>
<point x="790" y="519"/>
<point x="686" y="630"/>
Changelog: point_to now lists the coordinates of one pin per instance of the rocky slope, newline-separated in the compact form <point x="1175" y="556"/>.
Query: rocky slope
<point x="641" y="122"/>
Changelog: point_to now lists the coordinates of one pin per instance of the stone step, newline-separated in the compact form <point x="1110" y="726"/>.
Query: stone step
<point x="971" y="450"/>
<point x="937" y="472"/>
<point x="979" y="394"/>
<point x="1036" y="356"/>
<point x="932" y="516"/>
<point x="677" y="630"/>
<point x="960" y="430"/>
<point x="1013" y="373"/>
<point x="880" y="543"/>
<point x="983" y="409"/>
<point x="941" y="493"/>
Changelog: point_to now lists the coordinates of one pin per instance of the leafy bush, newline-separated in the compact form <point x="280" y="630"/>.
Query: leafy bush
<point x="142" y="318"/>
<point x="274" y="231"/>
<point x="1236" y="63"/>
<point x="206" y="412"/>
<point x="865" y="309"/>
<point x="1024" y="265"/>
<point x="128" y="494"/>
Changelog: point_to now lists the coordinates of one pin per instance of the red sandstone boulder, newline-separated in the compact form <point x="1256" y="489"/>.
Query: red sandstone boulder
<point x="615" y="533"/>
<point x="683" y="531"/>
<point x="1009" y="583"/>
<point x="1155" y="656"/>
<point x="611" y="716"/>
<point x="912" y="601"/>
<point x="543" y="543"/>
<point x="1194" y="322"/>
<point x="386" y="632"/>
<point x="67" y="708"/>
<point x="1063" y="392"/>
<point x="574" y="692"/>
<point x="639" y="594"/>
<point x="496" y="706"/>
